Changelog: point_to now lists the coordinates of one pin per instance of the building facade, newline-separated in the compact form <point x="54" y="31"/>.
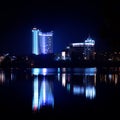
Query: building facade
<point x="42" y="42"/>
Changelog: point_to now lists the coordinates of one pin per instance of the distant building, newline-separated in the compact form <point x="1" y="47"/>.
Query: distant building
<point x="81" y="51"/>
<point x="42" y="42"/>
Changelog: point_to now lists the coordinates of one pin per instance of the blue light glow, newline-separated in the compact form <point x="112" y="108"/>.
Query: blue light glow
<point x="42" y="94"/>
<point x="90" y="71"/>
<point x="58" y="76"/>
<point x="58" y="70"/>
<point x="35" y="94"/>
<point x="39" y="71"/>
<point x="42" y="42"/>
<point x="35" y="71"/>
<point x="46" y="45"/>
<point x="78" y="90"/>
<point x="68" y="86"/>
<point x="43" y="45"/>
<point x="46" y="96"/>
<point x="90" y="92"/>
<point x="35" y="41"/>
<point x="89" y="41"/>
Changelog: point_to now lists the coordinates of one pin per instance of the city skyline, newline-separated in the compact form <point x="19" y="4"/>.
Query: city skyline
<point x="70" y="21"/>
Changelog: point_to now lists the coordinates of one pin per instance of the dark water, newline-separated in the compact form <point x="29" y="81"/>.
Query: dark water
<point x="59" y="93"/>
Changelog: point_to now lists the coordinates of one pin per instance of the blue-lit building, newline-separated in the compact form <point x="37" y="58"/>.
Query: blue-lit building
<point x="35" y="39"/>
<point x="42" y="42"/>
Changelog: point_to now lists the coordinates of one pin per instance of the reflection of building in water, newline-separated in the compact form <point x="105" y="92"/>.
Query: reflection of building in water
<point x="2" y="77"/>
<point x="42" y="92"/>
<point x="35" y="94"/>
<point x="9" y="75"/>
<point x="110" y="77"/>
<point x="5" y="76"/>
<point x="80" y="84"/>
<point x="46" y="96"/>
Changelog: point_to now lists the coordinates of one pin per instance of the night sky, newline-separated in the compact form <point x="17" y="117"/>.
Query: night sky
<point x="71" y="21"/>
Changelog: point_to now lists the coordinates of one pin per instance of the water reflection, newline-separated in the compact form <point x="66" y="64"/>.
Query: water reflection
<point x="43" y="71"/>
<point x="2" y="77"/>
<point x="5" y="76"/>
<point x="42" y="90"/>
<point x="79" y="81"/>
<point x="109" y="78"/>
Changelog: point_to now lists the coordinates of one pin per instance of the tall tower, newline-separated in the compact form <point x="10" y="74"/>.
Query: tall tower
<point x="35" y="33"/>
<point x="42" y="42"/>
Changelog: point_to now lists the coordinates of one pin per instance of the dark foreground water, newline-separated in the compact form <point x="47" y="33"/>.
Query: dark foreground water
<point x="59" y="93"/>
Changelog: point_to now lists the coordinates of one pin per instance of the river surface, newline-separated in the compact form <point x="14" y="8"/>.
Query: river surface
<point x="59" y="92"/>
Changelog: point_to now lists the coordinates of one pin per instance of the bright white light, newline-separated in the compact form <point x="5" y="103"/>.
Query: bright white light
<point x="77" y="44"/>
<point x="44" y="71"/>
<point x="89" y="41"/>
<point x="64" y="79"/>
<point x="63" y="55"/>
<point x="36" y="71"/>
<point x="90" y="92"/>
<point x="92" y="44"/>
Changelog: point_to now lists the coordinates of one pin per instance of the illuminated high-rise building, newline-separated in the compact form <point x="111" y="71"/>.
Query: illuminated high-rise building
<point x="35" y="33"/>
<point x="42" y="42"/>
